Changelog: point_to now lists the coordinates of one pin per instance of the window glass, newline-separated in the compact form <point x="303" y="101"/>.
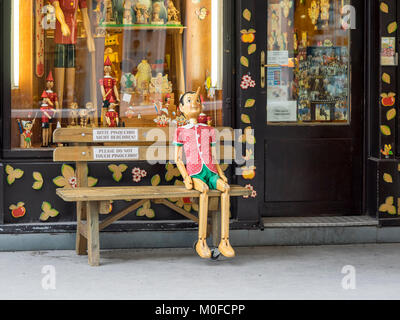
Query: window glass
<point x="308" y="66"/>
<point x="111" y="63"/>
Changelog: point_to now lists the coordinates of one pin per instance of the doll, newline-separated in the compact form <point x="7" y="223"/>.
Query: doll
<point x="47" y="114"/>
<point x="108" y="86"/>
<point x="112" y="118"/>
<point x="65" y="40"/>
<point x="202" y="172"/>
<point x="27" y="133"/>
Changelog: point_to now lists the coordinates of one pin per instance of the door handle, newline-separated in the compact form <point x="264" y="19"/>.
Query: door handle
<point x="262" y="69"/>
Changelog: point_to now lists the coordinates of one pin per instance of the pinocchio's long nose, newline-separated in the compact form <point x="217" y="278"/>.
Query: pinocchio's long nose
<point x="197" y="94"/>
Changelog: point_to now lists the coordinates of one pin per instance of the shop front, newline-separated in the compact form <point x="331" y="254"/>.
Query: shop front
<point x="299" y="80"/>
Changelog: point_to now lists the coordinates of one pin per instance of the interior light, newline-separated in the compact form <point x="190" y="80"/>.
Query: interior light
<point x="15" y="44"/>
<point x="216" y="43"/>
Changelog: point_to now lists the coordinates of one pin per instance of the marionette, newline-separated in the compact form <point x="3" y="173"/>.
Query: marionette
<point x="108" y="87"/>
<point x="202" y="172"/>
<point x="47" y="113"/>
<point x="172" y="13"/>
<point x="65" y="39"/>
<point x="51" y="94"/>
<point x="111" y="116"/>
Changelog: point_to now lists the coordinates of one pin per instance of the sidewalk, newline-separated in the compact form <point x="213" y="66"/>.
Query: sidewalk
<point x="312" y="272"/>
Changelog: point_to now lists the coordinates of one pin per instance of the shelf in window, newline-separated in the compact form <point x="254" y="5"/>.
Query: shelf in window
<point x="152" y="27"/>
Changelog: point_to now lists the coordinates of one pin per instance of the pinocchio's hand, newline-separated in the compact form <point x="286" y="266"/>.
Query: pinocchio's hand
<point x="188" y="183"/>
<point x="224" y="178"/>
<point x="65" y="30"/>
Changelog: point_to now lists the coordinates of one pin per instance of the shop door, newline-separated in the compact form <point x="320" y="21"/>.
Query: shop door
<point x="312" y="82"/>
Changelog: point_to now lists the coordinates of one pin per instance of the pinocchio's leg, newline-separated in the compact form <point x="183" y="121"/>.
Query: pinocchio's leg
<point x="202" y="248"/>
<point x="225" y="247"/>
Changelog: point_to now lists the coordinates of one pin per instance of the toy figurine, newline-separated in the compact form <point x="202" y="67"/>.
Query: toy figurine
<point x="143" y="75"/>
<point x="65" y="39"/>
<point x="112" y="118"/>
<point x="74" y="113"/>
<point x="128" y="82"/>
<point x="156" y="19"/>
<point x="172" y="13"/>
<point x="47" y="114"/>
<point x="142" y="13"/>
<point x="27" y="133"/>
<point x="108" y="87"/>
<point x="202" y="172"/>
<point x="128" y="12"/>
<point x="90" y="114"/>
<point x="108" y="12"/>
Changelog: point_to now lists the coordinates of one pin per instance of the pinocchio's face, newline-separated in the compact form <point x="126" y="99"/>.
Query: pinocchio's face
<point x="191" y="108"/>
<point x="49" y="84"/>
<point x="107" y="69"/>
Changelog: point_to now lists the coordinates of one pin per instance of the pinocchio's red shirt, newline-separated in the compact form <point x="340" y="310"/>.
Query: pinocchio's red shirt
<point x="196" y="140"/>
<point x="69" y="8"/>
<point x="108" y="83"/>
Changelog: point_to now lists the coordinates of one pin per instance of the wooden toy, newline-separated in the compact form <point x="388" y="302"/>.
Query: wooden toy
<point x="111" y="116"/>
<point x="27" y="133"/>
<point x="109" y="90"/>
<point x="65" y="40"/>
<point x="202" y="172"/>
<point x="47" y="113"/>
<point x="173" y="13"/>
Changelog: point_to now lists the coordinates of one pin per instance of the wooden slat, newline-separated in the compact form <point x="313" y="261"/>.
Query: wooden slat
<point x="145" y="134"/>
<point x="139" y="192"/>
<point x="144" y="153"/>
<point x="178" y="209"/>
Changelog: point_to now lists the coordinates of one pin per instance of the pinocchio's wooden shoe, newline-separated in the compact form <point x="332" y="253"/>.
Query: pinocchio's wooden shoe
<point x="226" y="249"/>
<point x="202" y="249"/>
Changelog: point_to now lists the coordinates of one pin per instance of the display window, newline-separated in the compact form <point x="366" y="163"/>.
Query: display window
<point x="111" y="63"/>
<point x="309" y="73"/>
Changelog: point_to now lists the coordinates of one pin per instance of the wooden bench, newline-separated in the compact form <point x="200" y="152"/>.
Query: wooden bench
<point x="119" y="145"/>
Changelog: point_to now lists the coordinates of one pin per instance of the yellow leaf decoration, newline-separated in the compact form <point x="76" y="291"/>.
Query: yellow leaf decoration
<point x="244" y="61"/>
<point x="38" y="184"/>
<point x="92" y="181"/>
<point x="384" y="7"/>
<point x="386" y="130"/>
<point x="388" y="206"/>
<point x="155" y="180"/>
<point x="392" y="27"/>
<point x="117" y="171"/>
<point x="252" y="48"/>
<point x="391" y="114"/>
<point x="13" y="174"/>
<point x="247" y="14"/>
<point x="250" y="103"/>
<point x="69" y="180"/>
<point x="172" y="172"/>
<point x="146" y="210"/>
<point x="387" y="178"/>
<point x="245" y="118"/>
<point x="48" y="211"/>
<point x="386" y="78"/>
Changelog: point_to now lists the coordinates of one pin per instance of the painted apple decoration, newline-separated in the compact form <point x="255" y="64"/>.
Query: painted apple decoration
<point x="248" y="36"/>
<point x="18" y="211"/>
<point x="388" y="99"/>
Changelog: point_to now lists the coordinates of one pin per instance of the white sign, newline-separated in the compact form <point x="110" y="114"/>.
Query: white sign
<point x="278" y="57"/>
<point x="126" y="135"/>
<point x="126" y="97"/>
<point x="282" y="111"/>
<point x="116" y="153"/>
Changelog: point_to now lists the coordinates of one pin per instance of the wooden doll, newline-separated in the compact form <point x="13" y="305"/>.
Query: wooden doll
<point x="65" y="39"/>
<point x="53" y="97"/>
<point x="111" y="116"/>
<point x="202" y="172"/>
<point x="47" y="113"/>
<point x="108" y="86"/>
<point x="27" y="133"/>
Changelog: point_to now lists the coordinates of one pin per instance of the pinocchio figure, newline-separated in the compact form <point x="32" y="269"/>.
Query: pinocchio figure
<point x="47" y="113"/>
<point x="111" y="116"/>
<point x="108" y="86"/>
<point x="202" y="172"/>
<point x="53" y="97"/>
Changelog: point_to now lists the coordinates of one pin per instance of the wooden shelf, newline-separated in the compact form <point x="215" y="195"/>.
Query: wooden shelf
<point x="152" y="27"/>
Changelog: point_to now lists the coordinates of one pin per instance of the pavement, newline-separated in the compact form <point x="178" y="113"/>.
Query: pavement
<point x="367" y="271"/>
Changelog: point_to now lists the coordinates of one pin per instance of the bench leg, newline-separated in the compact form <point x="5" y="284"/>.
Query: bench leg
<point x="81" y="241"/>
<point x="93" y="233"/>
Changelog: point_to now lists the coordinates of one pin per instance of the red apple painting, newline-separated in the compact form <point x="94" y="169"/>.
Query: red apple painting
<point x="388" y="99"/>
<point x="18" y="211"/>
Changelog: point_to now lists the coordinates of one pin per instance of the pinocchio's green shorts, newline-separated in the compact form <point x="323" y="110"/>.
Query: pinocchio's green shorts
<point x="208" y="177"/>
<point x="65" y="56"/>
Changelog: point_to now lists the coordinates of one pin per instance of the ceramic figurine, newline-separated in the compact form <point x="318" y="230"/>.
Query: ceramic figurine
<point x="83" y="117"/>
<point x="128" y="4"/>
<point x="108" y="12"/>
<point x="112" y="118"/>
<point x="128" y="82"/>
<point x="156" y="19"/>
<point x="73" y="113"/>
<point x="65" y="39"/>
<point x="27" y="133"/>
<point x="47" y="113"/>
<point x="143" y="75"/>
<point x="108" y="86"/>
<point x="202" y="172"/>
<point x="173" y="13"/>
<point x="142" y="13"/>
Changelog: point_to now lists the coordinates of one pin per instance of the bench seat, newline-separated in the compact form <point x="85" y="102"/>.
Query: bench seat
<point x="139" y="192"/>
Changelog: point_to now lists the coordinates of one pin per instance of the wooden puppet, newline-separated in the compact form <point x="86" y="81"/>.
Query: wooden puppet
<point x="65" y="39"/>
<point x="173" y="13"/>
<point x="52" y="96"/>
<point x="47" y="113"/>
<point x="202" y="172"/>
<point x="27" y="133"/>
<point x="111" y="116"/>
<point x="108" y="86"/>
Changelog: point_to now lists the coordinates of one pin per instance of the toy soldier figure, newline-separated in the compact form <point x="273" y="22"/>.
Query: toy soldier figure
<point x="202" y="172"/>
<point x="65" y="39"/>
<point x="108" y="86"/>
